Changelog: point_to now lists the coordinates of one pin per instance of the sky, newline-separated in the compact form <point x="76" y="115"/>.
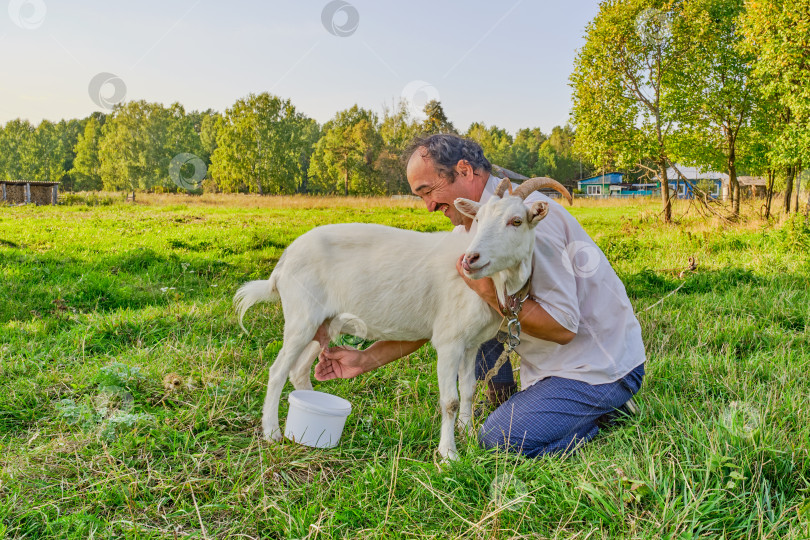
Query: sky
<point x="501" y="63"/>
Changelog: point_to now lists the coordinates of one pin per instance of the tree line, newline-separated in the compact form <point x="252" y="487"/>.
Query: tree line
<point x="261" y="144"/>
<point x="719" y="84"/>
<point x="723" y="85"/>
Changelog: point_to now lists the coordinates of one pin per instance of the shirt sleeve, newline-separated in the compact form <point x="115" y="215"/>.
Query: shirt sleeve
<point x="554" y="285"/>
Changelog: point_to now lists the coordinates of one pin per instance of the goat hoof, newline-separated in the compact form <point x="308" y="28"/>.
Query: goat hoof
<point x="468" y="433"/>
<point x="448" y="456"/>
<point x="272" y="435"/>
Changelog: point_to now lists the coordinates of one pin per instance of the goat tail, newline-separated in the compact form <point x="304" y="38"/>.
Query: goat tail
<point x="253" y="292"/>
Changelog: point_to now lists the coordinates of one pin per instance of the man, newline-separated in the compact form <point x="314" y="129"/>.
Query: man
<point x="582" y="357"/>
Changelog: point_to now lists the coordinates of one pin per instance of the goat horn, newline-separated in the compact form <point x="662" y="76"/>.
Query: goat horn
<point x="502" y="187"/>
<point x="533" y="184"/>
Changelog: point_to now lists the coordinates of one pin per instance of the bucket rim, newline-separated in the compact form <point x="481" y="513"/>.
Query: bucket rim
<point x="339" y="407"/>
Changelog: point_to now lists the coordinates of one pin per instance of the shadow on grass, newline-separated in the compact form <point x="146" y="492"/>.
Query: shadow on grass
<point x="731" y="311"/>
<point x="650" y="283"/>
<point x="38" y="284"/>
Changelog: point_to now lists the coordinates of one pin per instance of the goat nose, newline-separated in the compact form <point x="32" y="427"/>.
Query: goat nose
<point x="472" y="257"/>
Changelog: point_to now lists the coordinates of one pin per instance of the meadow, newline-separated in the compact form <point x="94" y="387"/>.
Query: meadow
<point x="102" y="300"/>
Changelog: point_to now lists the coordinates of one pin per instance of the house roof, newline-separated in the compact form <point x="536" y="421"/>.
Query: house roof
<point x="23" y="182"/>
<point x="752" y="181"/>
<point x="497" y="169"/>
<point x="694" y="173"/>
<point x="609" y="178"/>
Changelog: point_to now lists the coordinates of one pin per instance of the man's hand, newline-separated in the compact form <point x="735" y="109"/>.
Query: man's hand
<point x="483" y="287"/>
<point x="339" y="363"/>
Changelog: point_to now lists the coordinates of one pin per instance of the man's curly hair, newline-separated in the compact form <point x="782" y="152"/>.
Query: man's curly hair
<point x="446" y="150"/>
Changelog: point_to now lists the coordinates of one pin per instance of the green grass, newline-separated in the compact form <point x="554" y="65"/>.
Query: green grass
<point x="98" y="304"/>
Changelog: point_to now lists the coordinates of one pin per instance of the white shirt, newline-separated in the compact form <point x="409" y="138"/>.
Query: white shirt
<point x="574" y="282"/>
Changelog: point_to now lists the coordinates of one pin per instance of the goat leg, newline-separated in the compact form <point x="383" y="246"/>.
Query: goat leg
<point x="449" y="359"/>
<point x="466" y="389"/>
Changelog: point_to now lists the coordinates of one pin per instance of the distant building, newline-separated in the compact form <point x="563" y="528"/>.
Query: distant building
<point x="757" y="184"/>
<point x="22" y="192"/>
<point x="611" y="185"/>
<point x="710" y="182"/>
<point x="599" y="186"/>
<point x="716" y="184"/>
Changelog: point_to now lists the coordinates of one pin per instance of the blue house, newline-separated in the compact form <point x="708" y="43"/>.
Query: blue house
<point x="709" y="181"/>
<point x="611" y="185"/>
<point x="600" y="186"/>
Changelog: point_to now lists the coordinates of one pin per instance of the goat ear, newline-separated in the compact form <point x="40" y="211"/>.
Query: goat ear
<point x="467" y="207"/>
<point x="537" y="211"/>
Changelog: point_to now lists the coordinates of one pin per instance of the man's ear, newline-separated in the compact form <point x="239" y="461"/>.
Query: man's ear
<point x="467" y="207"/>
<point x="464" y="168"/>
<point x="537" y="212"/>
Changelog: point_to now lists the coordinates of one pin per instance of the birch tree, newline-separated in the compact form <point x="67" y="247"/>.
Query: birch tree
<point x="622" y="111"/>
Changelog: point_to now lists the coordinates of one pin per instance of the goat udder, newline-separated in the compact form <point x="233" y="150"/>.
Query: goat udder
<point x="322" y="334"/>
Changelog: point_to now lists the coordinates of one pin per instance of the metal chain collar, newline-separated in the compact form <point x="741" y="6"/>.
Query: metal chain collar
<point x="510" y="336"/>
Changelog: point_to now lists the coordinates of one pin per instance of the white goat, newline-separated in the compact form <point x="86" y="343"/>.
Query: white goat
<point x="386" y="283"/>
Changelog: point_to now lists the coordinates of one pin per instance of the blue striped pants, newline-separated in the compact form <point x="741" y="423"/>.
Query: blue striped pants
<point x="554" y="415"/>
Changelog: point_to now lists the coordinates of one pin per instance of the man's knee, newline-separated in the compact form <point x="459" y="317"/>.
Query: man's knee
<point x="499" y="439"/>
<point x="494" y="435"/>
<point x="493" y="438"/>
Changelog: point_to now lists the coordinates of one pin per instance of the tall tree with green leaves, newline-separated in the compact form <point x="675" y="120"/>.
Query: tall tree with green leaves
<point x="344" y="155"/>
<point x="436" y="120"/>
<point x="86" y="167"/>
<point x="496" y="143"/>
<point x="18" y="142"/>
<point x="260" y="144"/>
<point x="311" y="133"/>
<point x="755" y="146"/>
<point x="556" y="158"/>
<point x="123" y="151"/>
<point x="51" y="151"/>
<point x="712" y="91"/>
<point x="69" y="131"/>
<point x="182" y="136"/>
<point x="622" y="110"/>
<point x="397" y="129"/>
<point x="139" y="141"/>
<point x="210" y="122"/>
<point x="777" y="34"/>
<point x="525" y="151"/>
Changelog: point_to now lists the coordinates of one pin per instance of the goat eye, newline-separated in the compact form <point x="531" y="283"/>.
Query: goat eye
<point x="516" y="222"/>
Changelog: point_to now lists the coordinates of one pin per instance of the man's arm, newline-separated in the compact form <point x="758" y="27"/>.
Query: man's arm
<point x="346" y="362"/>
<point x="534" y="320"/>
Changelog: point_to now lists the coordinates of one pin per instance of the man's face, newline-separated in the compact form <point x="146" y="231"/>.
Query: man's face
<point x="437" y="192"/>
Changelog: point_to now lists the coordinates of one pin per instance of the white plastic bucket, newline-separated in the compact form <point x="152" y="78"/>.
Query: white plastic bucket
<point x="316" y="418"/>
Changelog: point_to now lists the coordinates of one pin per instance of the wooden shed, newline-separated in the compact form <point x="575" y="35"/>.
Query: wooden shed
<point x="757" y="184"/>
<point x="22" y="192"/>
